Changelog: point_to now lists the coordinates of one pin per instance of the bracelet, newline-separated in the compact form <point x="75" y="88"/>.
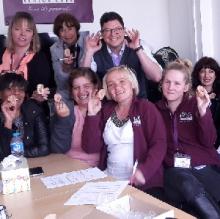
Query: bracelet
<point x="138" y="48"/>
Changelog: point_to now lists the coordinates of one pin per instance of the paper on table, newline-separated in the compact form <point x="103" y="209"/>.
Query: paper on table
<point x="95" y="193"/>
<point x="73" y="177"/>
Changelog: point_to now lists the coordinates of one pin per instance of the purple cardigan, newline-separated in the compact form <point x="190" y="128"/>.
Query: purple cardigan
<point x="196" y="135"/>
<point x="149" y="138"/>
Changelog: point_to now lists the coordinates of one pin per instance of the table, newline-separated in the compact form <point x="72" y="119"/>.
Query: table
<point x="40" y="201"/>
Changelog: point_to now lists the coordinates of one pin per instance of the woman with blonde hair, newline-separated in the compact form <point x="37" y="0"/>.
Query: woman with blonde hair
<point x="192" y="165"/>
<point x="127" y="132"/>
<point x="22" y="54"/>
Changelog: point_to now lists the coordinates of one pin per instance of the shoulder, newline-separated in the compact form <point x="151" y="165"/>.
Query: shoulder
<point x="56" y="46"/>
<point x="30" y="107"/>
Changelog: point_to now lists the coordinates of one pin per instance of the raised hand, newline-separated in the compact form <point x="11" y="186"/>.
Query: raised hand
<point x="203" y="100"/>
<point x="10" y="111"/>
<point x="134" y="36"/>
<point x="61" y="108"/>
<point x="93" y="43"/>
<point x="94" y="105"/>
<point x="42" y="96"/>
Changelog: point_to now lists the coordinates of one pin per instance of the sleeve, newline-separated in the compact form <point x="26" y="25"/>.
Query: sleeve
<point x="61" y="134"/>
<point x="40" y="72"/>
<point x="5" y="139"/>
<point x="155" y="136"/>
<point x="206" y="132"/>
<point x="92" y="140"/>
<point x="40" y="138"/>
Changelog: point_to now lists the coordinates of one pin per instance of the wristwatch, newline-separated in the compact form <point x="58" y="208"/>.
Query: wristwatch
<point x="138" y="48"/>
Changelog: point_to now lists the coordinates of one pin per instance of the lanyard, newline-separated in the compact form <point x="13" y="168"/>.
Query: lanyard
<point x="175" y="131"/>
<point x="19" y="64"/>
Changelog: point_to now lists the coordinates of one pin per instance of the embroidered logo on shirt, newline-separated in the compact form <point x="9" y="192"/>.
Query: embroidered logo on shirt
<point x="186" y="116"/>
<point x="137" y="120"/>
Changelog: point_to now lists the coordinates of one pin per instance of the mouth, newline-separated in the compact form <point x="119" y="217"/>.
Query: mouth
<point x="84" y="97"/>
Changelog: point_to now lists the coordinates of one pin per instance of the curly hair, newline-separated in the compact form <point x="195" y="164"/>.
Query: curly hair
<point x="206" y="62"/>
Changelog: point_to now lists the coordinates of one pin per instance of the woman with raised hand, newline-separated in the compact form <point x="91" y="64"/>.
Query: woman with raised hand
<point x="206" y="73"/>
<point x="68" y="121"/>
<point x="66" y="52"/>
<point x="192" y="165"/>
<point x="127" y="132"/>
<point x="20" y="115"/>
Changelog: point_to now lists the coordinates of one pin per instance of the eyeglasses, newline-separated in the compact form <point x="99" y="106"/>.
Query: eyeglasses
<point x="116" y="30"/>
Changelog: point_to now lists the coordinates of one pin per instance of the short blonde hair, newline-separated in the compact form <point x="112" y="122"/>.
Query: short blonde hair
<point x="130" y="75"/>
<point x="19" y="17"/>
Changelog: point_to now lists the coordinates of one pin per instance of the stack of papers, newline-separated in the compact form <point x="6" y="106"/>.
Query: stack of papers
<point x="73" y="177"/>
<point x="96" y="193"/>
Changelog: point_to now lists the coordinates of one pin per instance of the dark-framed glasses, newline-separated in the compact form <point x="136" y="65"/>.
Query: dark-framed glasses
<point x="108" y="31"/>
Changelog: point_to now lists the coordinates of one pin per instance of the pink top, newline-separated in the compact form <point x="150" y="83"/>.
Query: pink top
<point x="76" y="150"/>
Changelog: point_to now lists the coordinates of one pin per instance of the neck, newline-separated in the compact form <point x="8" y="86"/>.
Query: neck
<point x="122" y="109"/>
<point x="172" y="105"/>
<point x="83" y="109"/>
<point x="209" y="88"/>
<point x="20" y="51"/>
<point x="116" y="50"/>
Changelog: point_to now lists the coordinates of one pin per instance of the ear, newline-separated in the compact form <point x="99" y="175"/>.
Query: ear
<point x="186" y="88"/>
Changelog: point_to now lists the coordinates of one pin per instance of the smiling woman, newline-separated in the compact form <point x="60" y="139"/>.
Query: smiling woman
<point x="67" y="133"/>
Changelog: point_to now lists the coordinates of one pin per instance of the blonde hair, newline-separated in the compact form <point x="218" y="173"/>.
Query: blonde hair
<point x="182" y="66"/>
<point x="19" y="17"/>
<point x="130" y="76"/>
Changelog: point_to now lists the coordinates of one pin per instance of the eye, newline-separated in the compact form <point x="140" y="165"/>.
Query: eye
<point x="110" y="85"/>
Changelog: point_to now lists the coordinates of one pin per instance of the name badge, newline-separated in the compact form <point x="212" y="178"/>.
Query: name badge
<point x="182" y="160"/>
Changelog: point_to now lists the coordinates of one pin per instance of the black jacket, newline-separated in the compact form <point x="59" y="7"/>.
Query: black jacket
<point x="36" y="134"/>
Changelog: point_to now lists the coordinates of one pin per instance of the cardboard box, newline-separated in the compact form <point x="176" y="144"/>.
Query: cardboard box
<point x="16" y="179"/>
<point x="130" y="208"/>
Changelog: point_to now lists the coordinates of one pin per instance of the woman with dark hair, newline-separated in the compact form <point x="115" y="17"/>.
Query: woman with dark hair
<point x="207" y="73"/>
<point x="67" y="133"/>
<point x="24" y="116"/>
<point x="65" y="52"/>
<point x="22" y="54"/>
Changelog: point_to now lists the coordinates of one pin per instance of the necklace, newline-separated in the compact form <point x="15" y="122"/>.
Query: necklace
<point x="118" y="123"/>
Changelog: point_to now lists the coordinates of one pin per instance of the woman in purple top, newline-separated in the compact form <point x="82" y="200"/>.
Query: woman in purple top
<point x="192" y="173"/>
<point x="127" y="132"/>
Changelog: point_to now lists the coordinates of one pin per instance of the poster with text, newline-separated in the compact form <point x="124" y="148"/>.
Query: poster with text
<point x="45" y="11"/>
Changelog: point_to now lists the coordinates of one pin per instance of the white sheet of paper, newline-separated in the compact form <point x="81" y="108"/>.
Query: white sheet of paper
<point x="73" y="177"/>
<point x="95" y="193"/>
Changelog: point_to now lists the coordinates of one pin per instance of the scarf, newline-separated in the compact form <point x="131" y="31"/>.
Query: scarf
<point x="22" y="67"/>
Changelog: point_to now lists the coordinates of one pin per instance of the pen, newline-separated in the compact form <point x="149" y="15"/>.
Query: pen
<point x="61" y="59"/>
<point x="135" y="167"/>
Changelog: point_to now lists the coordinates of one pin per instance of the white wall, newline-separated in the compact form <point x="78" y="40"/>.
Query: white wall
<point x="150" y="17"/>
<point x="160" y="22"/>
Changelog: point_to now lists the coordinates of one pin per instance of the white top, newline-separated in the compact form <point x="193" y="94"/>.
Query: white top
<point x="119" y="141"/>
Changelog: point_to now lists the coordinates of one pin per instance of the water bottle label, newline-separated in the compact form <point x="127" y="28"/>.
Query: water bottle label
<point x="17" y="148"/>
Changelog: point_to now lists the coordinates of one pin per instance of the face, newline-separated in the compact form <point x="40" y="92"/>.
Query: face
<point x="119" y="86"/>
<point x="18" y="92"/>
<point x="22" y="34"/>
<point x="174" y="86"/>
<point x="68" y="34"/>
<point x="207" y="77"/>
<point x="82" y="89"/>
<point x="113" y="34"/>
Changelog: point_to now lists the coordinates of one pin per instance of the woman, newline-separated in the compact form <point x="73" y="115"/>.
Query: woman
<point x="22" y="54"/>
<point x="192" y="172"/>
<point x="207" y="73"/>
<point x="65" y="52"/>
<point x="67" y="134"/>
<point x="18" y="114"/>
<point x="126" y="130"/>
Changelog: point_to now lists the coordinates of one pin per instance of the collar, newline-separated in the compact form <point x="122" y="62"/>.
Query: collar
<point x="120" y="52"/>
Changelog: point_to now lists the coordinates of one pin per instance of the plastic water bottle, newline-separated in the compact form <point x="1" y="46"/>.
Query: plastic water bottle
<point x="17" y="145"/>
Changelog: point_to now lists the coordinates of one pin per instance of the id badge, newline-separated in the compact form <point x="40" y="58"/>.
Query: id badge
<point x="182" y="160"/>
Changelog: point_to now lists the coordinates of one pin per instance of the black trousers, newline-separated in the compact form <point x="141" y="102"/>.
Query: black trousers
<point x="183" y="185"/>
